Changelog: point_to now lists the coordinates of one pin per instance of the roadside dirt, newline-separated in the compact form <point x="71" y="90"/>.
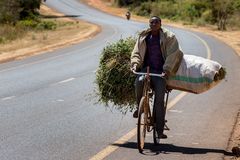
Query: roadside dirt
<point x="235" y="138"/>
<point x="231" y="38"/>
<point x="71" y="32"/>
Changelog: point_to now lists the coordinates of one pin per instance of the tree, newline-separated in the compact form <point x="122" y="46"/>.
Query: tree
<point x="221" y="11"/>
<point x="9" y="11"/>
<point x="13" y="10"/>
<point x="29" y="7"/>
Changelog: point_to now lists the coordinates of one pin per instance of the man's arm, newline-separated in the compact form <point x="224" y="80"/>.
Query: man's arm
<point x="135" y="56"/>
<point x="174" y="56"/>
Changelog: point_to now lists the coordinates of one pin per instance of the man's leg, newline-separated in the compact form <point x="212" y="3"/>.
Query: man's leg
<point x="138" y="92"/>
<point x="159" y="87"/>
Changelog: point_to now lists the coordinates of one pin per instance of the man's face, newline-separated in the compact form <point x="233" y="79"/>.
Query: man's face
<point x="154" y="24"/>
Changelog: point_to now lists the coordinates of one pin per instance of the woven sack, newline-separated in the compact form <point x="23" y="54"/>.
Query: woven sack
<point x="196" y="75"/>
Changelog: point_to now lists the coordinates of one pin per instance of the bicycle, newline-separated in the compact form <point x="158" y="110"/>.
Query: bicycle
<point x="146" y="117"/>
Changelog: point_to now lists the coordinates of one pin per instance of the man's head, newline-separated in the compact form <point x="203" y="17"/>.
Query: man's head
<point x="155" y="23"/>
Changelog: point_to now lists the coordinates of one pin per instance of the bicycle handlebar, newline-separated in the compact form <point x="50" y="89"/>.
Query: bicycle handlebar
<point x="150" y="74"/>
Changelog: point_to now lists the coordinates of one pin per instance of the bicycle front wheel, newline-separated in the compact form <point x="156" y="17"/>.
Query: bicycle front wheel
<point x="142" y="124"/>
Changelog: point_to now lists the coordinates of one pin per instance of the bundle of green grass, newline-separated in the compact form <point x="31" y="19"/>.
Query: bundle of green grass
<point x="114" y="80"/>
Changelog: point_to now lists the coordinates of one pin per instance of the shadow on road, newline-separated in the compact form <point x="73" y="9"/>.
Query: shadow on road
<point x="55" y="16"/>
<point x="151" y="149"/>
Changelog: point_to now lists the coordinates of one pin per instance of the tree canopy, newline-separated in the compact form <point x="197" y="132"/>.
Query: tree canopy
<point x="14" y="10"/>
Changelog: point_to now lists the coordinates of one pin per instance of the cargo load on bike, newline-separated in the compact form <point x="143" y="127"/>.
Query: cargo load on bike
<point x="115" y="81"/>
<point x="196" y="75"/>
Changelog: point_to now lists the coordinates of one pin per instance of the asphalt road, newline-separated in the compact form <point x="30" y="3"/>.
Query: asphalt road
<point x="48" y="109"/>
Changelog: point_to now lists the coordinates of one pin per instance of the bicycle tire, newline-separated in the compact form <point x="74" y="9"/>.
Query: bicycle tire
<point x="141" y="126"/>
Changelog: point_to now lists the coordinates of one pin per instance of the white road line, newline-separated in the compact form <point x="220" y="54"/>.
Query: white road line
<point x="7" y="98"/>
<point x="204" y="43"/>
<point x="175" y="111"/>
<point x="65" y="81"/>
<point x="109" y="149"/>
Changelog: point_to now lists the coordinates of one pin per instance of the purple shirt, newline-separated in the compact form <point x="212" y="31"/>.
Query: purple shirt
<point x="153" y="57"/>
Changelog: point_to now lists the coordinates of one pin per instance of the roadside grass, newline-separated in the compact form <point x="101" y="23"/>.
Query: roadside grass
<point x="11" y="36"/>
<point x="54" y="31"/>
<point x="10" y="33"/>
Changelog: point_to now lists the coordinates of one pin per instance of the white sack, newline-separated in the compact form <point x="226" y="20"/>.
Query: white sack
<point x="195" y="74"/>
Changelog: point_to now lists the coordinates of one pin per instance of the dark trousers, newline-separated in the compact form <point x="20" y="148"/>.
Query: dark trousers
<point x="158" y="85"/>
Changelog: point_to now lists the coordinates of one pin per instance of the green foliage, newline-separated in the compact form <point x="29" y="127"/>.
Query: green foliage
<point x="12" y="11"/>
<point x="163" y="10"/>
<point x="191" y="12"/>
<point x="30" y="24"/>
<point x="114" y="79"/>
<point x="223" y="13"/>
<point x="9" y="11"/>
<point x="144" y="9"/>
<point x="27" y="24"/>
<point x="46" y="25"/>
<point x="28" y="7"/>
<point x="207" y="16"/>
<point x="236" y="5"/>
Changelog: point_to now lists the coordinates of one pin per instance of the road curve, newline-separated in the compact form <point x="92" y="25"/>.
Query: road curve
<point x="48" y="111"/>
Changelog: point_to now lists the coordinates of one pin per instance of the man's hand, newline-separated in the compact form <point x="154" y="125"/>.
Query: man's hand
<point x="134" y="68"/>
<point x="166" y="75"/>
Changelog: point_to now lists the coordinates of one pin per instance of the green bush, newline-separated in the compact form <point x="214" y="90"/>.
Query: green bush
<point x="163" y="10"/>
<point x="200" y="22"/>
<point x="144" y="9"/>
<point x="38" y="25"/>
<point x="114" y="80"/>
<point x="2" y="40"/>
<point x="9" y="11"/>
<point x="207" y="16"/>
<point x="28" y="24"/>
<point x="46" y="25"/>
<point x="234" y="22"/>
<point x="190" y="13"/>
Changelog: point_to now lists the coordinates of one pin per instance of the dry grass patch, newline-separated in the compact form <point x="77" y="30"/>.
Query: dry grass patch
<point x="68" y="31"/>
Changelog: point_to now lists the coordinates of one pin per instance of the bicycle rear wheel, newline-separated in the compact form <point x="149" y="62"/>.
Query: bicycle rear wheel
<point x="142" y="124"/>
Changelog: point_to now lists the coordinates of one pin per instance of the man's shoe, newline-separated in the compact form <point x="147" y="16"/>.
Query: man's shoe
<point x="135" y="114"/>
<point x="162" y="136"/>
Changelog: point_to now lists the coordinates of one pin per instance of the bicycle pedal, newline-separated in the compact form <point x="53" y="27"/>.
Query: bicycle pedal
<point x="166" y="128"/>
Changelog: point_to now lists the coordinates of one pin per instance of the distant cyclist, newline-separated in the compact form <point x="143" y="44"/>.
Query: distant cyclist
<point x="128" y="15"/>
<point x="157" y="48"/>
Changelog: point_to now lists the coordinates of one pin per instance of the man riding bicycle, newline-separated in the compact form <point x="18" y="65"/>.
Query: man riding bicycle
<point x="157" y="48"/>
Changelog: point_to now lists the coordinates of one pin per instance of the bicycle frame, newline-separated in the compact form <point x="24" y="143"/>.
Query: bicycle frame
<point x="145" y="112"/>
